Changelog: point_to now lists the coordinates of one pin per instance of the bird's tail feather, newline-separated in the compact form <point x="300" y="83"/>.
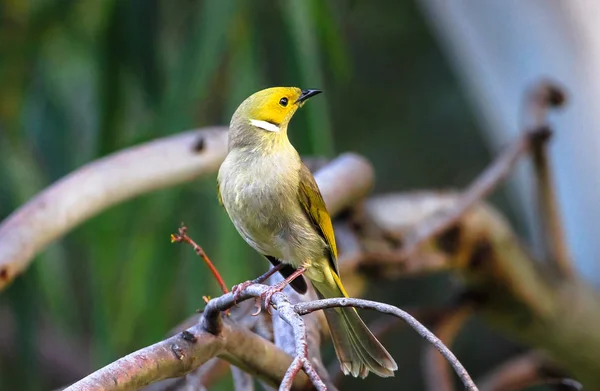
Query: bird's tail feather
<point x="356" y="347"/>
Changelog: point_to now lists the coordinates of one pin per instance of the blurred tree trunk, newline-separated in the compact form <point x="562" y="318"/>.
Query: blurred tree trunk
<point x="499" y="48"/>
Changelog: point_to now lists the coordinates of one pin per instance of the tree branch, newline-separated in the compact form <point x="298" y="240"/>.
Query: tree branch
<point x="285" y="339"/>
<point x="212" y="322"/>
<point x="101" y="184"/>
<point x="141" y="169"/>
<point x="306" y="308"/>
<point x="183" y="353"/>
<point x="516" y="294"/>
<point x="215" y="337"/>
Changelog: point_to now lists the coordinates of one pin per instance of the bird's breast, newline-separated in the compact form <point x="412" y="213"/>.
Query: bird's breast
<point x="261" y="199"/>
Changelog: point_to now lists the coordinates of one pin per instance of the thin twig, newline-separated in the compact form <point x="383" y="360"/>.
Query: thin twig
<point x="182" y="236"/>
<point x="540" y="100"/>
<point x="438" y="222"/>
<point x="308" y="307"/>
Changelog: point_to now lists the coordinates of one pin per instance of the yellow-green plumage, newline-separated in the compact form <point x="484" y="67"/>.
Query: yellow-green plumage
<point x="276" y="206"/>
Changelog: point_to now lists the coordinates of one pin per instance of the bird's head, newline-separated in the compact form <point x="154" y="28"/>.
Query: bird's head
<point x="264" y="116"/>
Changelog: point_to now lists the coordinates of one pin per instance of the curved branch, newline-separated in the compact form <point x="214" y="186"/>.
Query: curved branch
<point x="101" y="184"/>
<point x="308" y="307"/>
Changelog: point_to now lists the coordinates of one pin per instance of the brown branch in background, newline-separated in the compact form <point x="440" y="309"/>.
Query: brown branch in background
<point x="138" y="170"/>
<point x="433" y="221"/>
<point x="541" y="99"/>
<point x="481" y="187"/>
<point x="437" y="377"/>
<point x="525" y="371"/>
<point x="182" y="236"/>
<point x="516" y="294"/>
<point x="158" y="164"/>
<point x="533" y="140"/>
<point x="102" y="183"/>
<point x="308" y="307"/>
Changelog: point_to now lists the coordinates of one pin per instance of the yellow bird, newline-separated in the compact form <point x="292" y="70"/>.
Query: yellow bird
<point x="276" y="206"/>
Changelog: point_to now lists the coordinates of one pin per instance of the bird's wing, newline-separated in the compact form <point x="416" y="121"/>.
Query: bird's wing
<point x="312" y="203"/>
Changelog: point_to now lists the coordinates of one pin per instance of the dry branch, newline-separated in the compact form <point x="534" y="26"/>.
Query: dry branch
<point x="138" y="170"/>
<point x="344" y="181"/>
<point x="516" y="294"/>
<point x="101" y="184"/>
<point x="183" y="353"/>
<point x="216" y="337"/>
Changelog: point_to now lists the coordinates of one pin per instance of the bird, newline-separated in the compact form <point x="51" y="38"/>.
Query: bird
<point x="276" y="206"/>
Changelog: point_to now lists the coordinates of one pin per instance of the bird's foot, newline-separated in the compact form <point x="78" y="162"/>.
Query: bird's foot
<point x="267" y="295"/>
<point x="239" y="288"/>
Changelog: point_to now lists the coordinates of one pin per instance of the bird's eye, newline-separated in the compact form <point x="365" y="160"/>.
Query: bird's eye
<point x="283" y="102"/>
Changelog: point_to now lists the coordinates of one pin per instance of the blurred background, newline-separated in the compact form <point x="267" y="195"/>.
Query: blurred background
<point x="427" y="90"/>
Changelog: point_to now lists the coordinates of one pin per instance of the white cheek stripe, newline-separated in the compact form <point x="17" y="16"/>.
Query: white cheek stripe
<point x="264" y="125"/>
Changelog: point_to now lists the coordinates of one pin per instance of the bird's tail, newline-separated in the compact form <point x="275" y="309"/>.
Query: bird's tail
<point x="356" y="347"/>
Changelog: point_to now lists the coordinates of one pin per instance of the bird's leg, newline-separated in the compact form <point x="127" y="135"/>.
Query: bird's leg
<point x="268" y="294"/>
<point x="239" y="288"/>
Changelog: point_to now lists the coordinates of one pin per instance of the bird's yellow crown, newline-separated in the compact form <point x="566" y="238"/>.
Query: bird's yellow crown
<point x="274" y="105"/>
<point x="264" y="116"/>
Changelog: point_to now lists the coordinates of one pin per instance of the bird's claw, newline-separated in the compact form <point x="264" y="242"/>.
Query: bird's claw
<point x="258" y="308"/>
<point x="238" y="289"/>
<point x="267" y="295"/>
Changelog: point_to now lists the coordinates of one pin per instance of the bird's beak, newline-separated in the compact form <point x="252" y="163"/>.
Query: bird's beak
<point x="307" y="94"/>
